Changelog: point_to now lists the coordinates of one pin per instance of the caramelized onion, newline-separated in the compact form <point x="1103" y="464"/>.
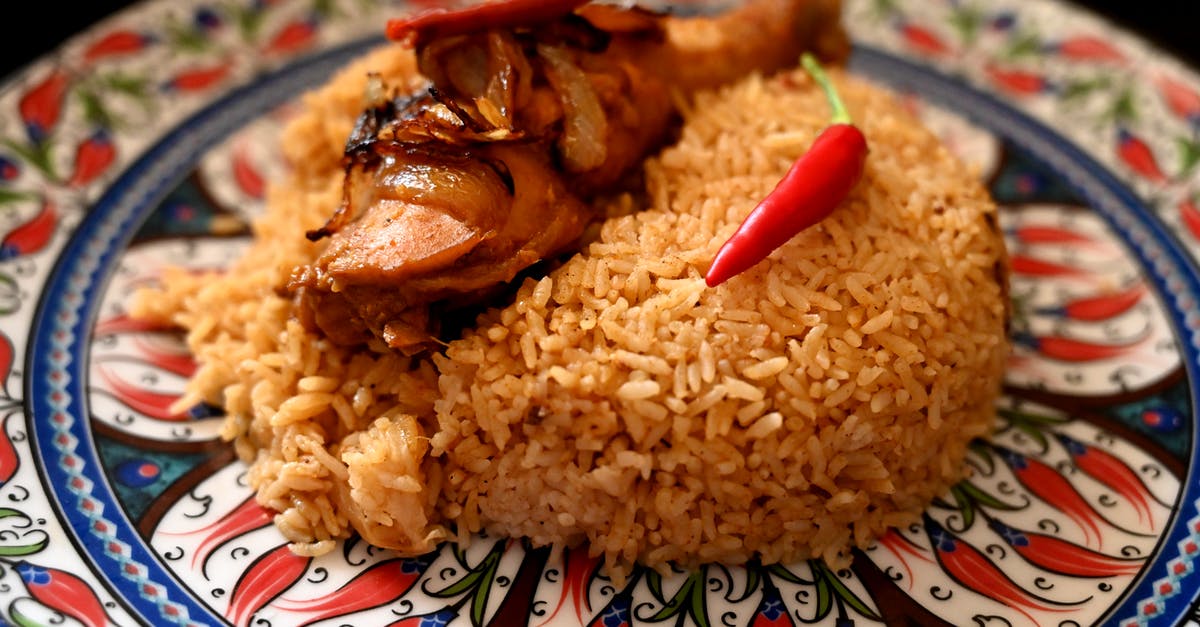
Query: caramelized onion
<point x="585" y="126"/>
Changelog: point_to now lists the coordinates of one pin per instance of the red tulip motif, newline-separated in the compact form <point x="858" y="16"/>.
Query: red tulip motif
<point x="1189" y="213"/>
<point x="246" y="175"/>
<point x="1182" y="99"/>
<point x="922" y="40"/>
<point x="1018" y="82"/>
<point x="117" y="43"/>
<point x="198" y="78"/>
<point x="41" y="107"/>
<point x="1087" y="48"/>
<point x="293" y="37"/>
<point x="32" y="235"/>
<point x="92" y="157"/>
<point x="1135" y="153"/>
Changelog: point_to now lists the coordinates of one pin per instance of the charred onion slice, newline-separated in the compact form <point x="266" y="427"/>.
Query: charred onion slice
<point x="585" y="126"/>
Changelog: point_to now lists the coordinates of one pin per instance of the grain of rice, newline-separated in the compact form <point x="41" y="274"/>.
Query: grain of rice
<point x="878" y="323"/>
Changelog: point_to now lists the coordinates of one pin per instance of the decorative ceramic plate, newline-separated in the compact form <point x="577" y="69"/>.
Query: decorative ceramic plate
<point x="147" y="141"/>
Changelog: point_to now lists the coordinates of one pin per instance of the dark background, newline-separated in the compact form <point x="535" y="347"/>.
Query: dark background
<point x="1173" y="25"/>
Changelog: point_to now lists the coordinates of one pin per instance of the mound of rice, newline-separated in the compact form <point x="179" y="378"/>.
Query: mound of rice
<point x="796" y="411"/>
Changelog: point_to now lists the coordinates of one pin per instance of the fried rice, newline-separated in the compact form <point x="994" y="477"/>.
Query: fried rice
<point x="796" y="411"/>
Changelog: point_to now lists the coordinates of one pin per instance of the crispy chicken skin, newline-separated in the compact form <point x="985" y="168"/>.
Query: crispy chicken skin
<point x="451" y="192"/>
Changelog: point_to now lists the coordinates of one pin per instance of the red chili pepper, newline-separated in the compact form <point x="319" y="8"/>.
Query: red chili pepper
<point x="380" y="584"/>
<point x="814" y="186"/>
<point x="1050" y="486"/>
<point x="901" y="546"/>
<point x="1032" y="266"/>
<point x="1069" y="349"/>
<point x="1062" y="557"/>
<point x="246" y="517"/>
<point x="1097" y="308"/>
<point x="505" y="14"/>
<point x="971" y="568"/>
<point x="1049" y="234"/>
<point x="152" y="404"/>
<point x="268" y="576"/>
<point x="166" y="355"/>
<point x="1109" y="470"/>
<point x="580" y="567"/>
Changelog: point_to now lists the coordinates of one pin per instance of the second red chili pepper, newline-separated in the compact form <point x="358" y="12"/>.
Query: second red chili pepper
<point x="812" y="188"/>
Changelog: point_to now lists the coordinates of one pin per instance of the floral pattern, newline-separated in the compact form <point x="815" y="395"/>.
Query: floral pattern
<point x="146" y="142"/>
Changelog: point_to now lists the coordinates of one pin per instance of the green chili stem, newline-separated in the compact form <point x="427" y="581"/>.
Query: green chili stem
<point x="840" y="114"/>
